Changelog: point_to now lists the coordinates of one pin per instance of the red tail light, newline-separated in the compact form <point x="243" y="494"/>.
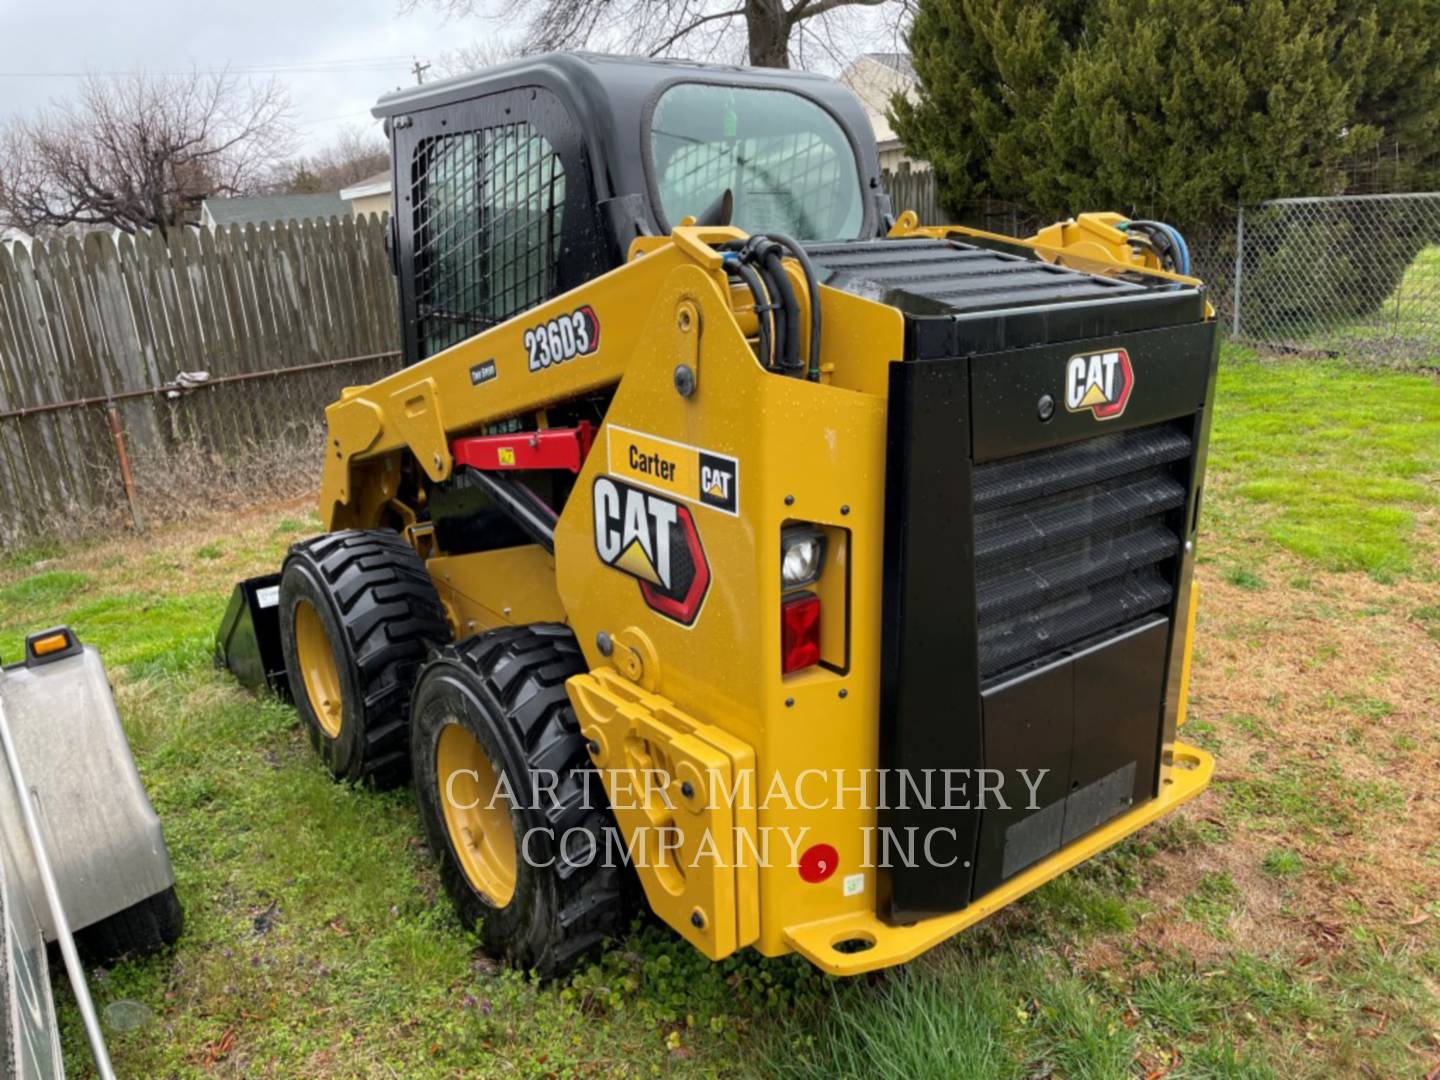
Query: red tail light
<point x="799" y="632"/>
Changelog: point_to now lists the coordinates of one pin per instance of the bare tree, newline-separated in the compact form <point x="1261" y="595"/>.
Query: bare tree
<point x="141" y="151"/>
<point x="474" y="56"/>
<point x="774" y="29"/>
<point x="357" y="152"/>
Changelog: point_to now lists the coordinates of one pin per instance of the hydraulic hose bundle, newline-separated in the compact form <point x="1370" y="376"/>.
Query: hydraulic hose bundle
<point x="759" y="263"/>
<point x="1165" y="241"/>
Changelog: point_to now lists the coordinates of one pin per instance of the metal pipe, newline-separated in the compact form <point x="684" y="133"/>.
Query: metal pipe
<point x="524" y="507"/>
<point x="152" y="391"/>
<point x="1308" y="199"/>
<point x="1239" y="272"/>
<point x="125" y="476"/>
<point x="57" y="910"/>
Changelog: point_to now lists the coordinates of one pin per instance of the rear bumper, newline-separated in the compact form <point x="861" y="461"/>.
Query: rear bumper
<point x="817" y="941"/>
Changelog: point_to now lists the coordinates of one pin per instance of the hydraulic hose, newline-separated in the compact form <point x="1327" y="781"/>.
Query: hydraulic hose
<point x="765" y="255"/>
<point x="745" y="254"/>
<point x="1177" y="242"/>
<point x="764" y="309"/>
<point x="813" y="285"/>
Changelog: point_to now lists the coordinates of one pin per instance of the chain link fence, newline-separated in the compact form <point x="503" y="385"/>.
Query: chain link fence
<point x="1355" y="276"/>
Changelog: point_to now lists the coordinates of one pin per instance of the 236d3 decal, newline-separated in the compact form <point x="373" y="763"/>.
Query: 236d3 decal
<point x="655" y="541"/>
<point x="564" y="338"/>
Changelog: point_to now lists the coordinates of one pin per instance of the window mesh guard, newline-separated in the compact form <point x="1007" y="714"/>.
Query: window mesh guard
<point x="487" y="225"/>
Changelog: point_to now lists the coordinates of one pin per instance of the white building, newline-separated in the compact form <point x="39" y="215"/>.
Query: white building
<point x="875" y="78"/>
<point x="369" y="196"/>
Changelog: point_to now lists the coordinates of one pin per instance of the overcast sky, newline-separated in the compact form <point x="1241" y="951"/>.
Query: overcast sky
<point x="352" y="52"/>
<point x="335" y="59"/>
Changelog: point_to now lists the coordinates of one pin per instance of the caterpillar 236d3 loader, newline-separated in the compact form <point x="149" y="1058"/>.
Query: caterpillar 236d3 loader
<point x="725" y="532"/>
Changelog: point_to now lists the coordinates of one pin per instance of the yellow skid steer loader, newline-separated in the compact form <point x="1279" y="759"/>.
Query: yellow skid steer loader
<point x="827" y="575"/>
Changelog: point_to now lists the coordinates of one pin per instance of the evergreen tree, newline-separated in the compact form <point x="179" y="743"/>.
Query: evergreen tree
<point x="1178" y="109"/>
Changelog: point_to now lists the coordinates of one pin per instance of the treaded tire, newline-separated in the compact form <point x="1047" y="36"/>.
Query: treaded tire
<point x="381" y="616"/>
<point x="507" y="687"/>
<point x="138" y="930"/>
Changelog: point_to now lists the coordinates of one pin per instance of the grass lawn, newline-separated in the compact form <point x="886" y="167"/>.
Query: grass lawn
<point x="1286" y="924"/>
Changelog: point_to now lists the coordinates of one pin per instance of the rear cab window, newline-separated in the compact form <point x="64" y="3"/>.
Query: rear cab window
<point x="786" y="160"/>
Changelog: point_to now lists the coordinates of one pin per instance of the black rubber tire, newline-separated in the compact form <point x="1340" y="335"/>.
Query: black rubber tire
<point x="139" y="930"/>
<point x="508" y="688"/>
<point x="382" y="617"/>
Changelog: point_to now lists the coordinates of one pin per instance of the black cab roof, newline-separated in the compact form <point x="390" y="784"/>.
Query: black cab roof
<point x="611" y="99"/>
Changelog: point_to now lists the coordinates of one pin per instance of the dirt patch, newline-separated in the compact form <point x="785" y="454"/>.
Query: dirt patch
<point x="1319" y="694"/>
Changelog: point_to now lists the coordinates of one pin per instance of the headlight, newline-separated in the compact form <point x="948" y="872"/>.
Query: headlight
<point x="802" y="553"/>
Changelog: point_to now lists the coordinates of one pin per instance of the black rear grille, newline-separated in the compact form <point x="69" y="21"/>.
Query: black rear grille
<point x="1008" y="591"/>
<point x="1073" y="541"/>
<point x="1032" y="475"/>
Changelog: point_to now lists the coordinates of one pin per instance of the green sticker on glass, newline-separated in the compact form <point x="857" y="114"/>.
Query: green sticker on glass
<point x="732" y="123"/>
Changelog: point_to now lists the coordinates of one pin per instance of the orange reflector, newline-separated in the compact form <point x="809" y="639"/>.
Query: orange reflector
<point x="49" y="643"/>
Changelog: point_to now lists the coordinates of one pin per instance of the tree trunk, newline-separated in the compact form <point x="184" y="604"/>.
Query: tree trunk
<point x="769" y="32"/>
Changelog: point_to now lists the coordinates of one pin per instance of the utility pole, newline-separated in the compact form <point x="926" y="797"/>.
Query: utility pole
<point x="419" y="69"/>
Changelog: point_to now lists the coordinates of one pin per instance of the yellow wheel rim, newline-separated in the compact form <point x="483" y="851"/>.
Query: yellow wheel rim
<point x="317" y="668"/>
<point x="477" y="820"/>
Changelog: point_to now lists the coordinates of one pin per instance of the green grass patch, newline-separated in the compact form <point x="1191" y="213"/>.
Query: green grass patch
<point x="1082" y="1036"/>
<point x="1243" y="578"/>
<point x="1302" y="796"/>
<point x="1361" y="706"/>
<point x="1429" y="617"/>
<point x="1221" y="1059"/>
<point x="1252" y="726"/>
<point x="1328" y="460"/>
<point x="965" y="1022"/>
<point x="1282" y="863"/>
<point x="1173" y="1001"/>
<point x="1212" y="903"/>
<point x="23" y="557"/>
<point x="151" y="633"/>
<point x="41" y="590"/>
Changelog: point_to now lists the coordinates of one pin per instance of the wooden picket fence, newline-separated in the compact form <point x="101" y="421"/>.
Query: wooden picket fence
<point x="914" y="189"/>
<point x="95" y="333"/>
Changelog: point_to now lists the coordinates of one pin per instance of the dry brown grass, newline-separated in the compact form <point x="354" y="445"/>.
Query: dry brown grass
<point x="1329" y="675"/>
<point x="187" y="483"/>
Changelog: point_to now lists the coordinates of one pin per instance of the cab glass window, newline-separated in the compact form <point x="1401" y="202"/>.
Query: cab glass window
<point x="785" y="159"/>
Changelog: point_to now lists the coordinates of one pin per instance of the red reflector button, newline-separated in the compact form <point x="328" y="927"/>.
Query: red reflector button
<point x="818" y="862"/>
<point x="799" y="633"/>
